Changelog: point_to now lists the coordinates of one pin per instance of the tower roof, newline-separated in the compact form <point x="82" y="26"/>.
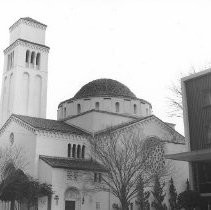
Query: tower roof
<point x="104" y="87"/>
<point x="28" y="19"/>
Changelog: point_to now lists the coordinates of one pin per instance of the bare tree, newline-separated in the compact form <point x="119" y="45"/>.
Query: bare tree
<point x="125" y="158"/>
<point x="175" y="98"/>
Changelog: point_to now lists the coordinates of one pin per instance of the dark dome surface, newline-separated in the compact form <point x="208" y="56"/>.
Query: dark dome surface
<point x="104" y="87"/>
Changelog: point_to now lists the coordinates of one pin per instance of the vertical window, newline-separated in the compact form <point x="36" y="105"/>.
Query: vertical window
<point x="131" y="206"/>
<point x="12" y="59"/>
<point x="32" y="58"/>
<point x="38" y="61"/>
<point x="97" y="105"/>
<point x="69" y="150"/>
<point x="73" y="150"/>
<point x="65" y="112"/>
<point x="135" y="109"/>
<point x="97" y="205"/>
<point x="117" y="106"/>
<point x="147" y="111"/>
<point x="78" y="108"/>
<point x="83" y="152"/>
<point x="79" y="151"/>
<point x="95" y="177"/>
<point x="27" y="56"/>
<point x="8" y="62"/>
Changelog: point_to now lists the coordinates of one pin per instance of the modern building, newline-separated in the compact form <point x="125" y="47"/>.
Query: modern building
<point x="58" y="151"/>
<point x="196" y="92"/>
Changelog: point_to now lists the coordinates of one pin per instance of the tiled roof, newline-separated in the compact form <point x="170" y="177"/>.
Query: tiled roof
<point x="26" y="41"/>
<point x="104" y="87"/>
<point x="49" y="125"/>
<point x="69" y="163"/>
<point x="32" y="20"/>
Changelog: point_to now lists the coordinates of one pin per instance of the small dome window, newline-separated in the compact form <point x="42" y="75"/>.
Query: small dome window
<point x="117" y="106"/>
<point x="78" y="108"/>
<point x="135" y="109"/>
<point x="97" y="105"/>
<point x="65" y="111"/>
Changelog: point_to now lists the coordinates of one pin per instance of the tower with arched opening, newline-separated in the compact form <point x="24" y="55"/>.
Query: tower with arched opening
<point x="25" y="71"/>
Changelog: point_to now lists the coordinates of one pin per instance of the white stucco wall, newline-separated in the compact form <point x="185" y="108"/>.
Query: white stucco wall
<point x="96" y="121"/>
<point x="61" y="184"/>
<point x="23" y="139"/>
<point x="28" y="32"/>
<point x="105" y="104"/>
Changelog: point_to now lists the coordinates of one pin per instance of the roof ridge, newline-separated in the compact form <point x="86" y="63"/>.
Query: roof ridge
<point x="122" y="125"/>
<point x="50" y="127"/>
<point x="100" y="111"/>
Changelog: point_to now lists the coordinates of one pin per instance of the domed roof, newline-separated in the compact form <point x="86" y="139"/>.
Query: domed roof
<point x="104" y="87"/>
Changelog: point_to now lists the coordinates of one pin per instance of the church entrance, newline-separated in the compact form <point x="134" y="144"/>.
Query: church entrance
<point x="69" y="205"/>
<point x="72" y="199"/>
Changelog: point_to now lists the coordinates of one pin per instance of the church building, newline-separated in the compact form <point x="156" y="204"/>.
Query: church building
<point x="58" y="151"/>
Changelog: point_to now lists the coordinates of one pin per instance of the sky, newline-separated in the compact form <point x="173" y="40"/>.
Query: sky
<point x="144" y="44"/>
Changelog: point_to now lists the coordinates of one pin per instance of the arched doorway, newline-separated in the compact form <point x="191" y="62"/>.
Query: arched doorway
<point x="72" y="199"/>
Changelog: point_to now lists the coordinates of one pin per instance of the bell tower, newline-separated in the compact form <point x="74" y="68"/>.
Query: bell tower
<point x="25" y="73"/>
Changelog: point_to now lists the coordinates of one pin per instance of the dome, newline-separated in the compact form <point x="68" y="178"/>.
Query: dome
<point x="104" y="87"/>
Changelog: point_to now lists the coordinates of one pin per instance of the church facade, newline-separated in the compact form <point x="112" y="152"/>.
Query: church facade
<point x="58" y="151"/>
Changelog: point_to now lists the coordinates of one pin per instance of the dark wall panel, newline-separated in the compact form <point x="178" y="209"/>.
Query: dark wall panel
<point x="199" y="113"/>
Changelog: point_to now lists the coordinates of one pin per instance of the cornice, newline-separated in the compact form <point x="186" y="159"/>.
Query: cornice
<point x="27" y="22"/>
<point x="177" y="138"/>
<point x="25" y="43"/>
<point x="38" y="132"/>
<point x="56" y="134"/>
<point x="18" y="121"/>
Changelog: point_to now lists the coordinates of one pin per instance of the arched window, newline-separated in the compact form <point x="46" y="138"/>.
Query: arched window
<point x="83" y="152"/>
<point x="79" y="151"/>
<point x="38" y="61"/>
<point x="69" y="150"/>
<point x="135" y="109"/>
<point x="12" y="60"/>
<point x="8" y="62"/>
<point x="73" y="150"/>
<point x="117" y="106"/>
<point x="78" y="108"/>
<point x="32" y="58"/>
<point x="65" y="111"/>
<point x="97" y="105"/>
<point x="27" y="56"/>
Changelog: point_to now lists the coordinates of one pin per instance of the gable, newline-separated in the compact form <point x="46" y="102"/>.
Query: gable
<point x="24" y="140"/>
<point x="156" y="127"/>
<point x="95" y="121"/>
<point x="150" y="126"/>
